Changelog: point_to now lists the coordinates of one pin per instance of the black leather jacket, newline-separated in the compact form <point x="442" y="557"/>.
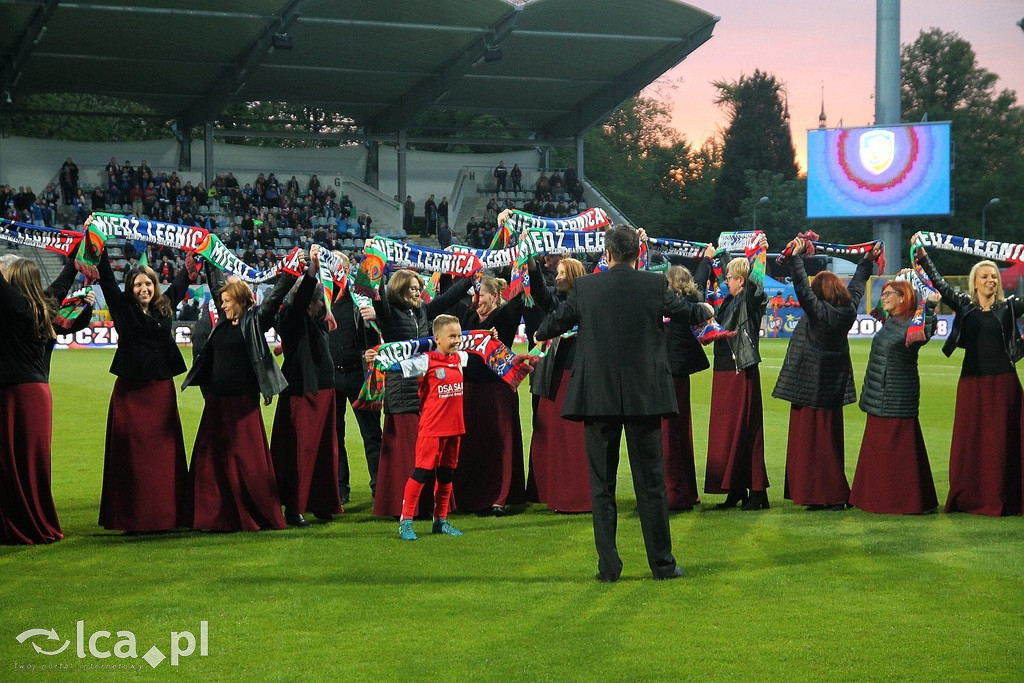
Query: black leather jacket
<point x="1007" y="310"/>
<point x="743" y="314"/>
<point x="255" y="322"/>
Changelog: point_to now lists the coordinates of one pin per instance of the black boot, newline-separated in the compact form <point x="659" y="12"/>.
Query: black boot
<point x="758" y="501"/>
<point x="735" y="497"/>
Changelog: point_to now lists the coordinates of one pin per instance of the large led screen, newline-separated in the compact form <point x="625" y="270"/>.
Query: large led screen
<point x="883" y="171"/>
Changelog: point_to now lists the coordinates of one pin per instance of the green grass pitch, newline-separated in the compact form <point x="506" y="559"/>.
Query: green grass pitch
<point x="780" y="595"/>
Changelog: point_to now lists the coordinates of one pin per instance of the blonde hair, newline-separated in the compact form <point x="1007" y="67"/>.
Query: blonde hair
<point x="1000" y="296"/>
<point x="680" y="280"/>
<point x="23" y="275"/>
<point x="442" y="320"/>
<point x="494" y="285"/>
<point x="738" y="267"/>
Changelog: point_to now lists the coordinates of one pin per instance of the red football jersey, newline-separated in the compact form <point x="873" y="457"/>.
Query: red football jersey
<point x="440" y="389"/>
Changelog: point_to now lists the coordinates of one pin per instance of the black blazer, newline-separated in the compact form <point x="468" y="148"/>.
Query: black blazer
<point x="145" y="347"/>
<point x="621" y="367"/>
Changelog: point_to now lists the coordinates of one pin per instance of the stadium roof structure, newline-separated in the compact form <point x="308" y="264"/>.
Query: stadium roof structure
<point x="553" y="67"/>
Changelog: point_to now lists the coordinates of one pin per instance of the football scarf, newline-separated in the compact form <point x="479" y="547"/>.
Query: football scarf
<point x="73" y="306"/>
<point x="496" y="356"/>
<point x="814" y="246"/>
<point x="989" y="249"/>
<point x="63" y="242"/>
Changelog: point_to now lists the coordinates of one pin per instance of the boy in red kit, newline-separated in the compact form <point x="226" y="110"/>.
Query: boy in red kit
<point x="441" y="425"/>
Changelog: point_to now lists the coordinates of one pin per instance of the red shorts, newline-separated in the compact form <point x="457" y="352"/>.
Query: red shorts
<point x="437" y="451"/>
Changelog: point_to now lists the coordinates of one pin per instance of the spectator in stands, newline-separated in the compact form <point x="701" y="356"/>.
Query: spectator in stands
<point x="500" y="176"/>
<point x="542" y="187"/>
<point x="137" y="195"/>
<point x="407" y="217"/>
<point x="570" y="181"/>
<point x="444" y="235"/>
<point x="314" y="186"/>
<point x="81" y="206"/>
<point x="112" y="168"/>
<point x="144" y="172"/>
<point x="272" y="196"/>
<point x="39" y="213"/>
<point x="556" y="185"/>
<point x="442" y="211"/>
<point x="52" y="199"/>
<point x="516" y="176"/>
<point x="68" y="178"/>
<point x="430" y="214"/>
<point x="292" y="186"/>
<point x="364" y="226"/>
<point x="345" y="206"/>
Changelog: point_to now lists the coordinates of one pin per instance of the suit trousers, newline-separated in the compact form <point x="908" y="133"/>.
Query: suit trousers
<point x="369" y="430"/>
<point x="643" y="443"/>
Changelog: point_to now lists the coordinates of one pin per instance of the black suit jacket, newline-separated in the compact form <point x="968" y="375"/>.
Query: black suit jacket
<point x="621" y="367"/>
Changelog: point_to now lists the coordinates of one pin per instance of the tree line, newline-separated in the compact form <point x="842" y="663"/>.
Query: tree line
<point x="665" y="183"/>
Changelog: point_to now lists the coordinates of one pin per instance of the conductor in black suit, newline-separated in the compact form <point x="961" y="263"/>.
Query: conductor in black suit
<point x="621" y="380"/>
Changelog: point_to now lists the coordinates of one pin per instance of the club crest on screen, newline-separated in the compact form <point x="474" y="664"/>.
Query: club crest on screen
<point x="877" y="150"/>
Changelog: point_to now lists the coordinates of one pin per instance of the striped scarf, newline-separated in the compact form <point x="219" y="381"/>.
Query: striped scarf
<point x="922" y="285"/>
<point x="499" y="358"/>
<point x="989" y="249"/>
<point x="814" y="245"/>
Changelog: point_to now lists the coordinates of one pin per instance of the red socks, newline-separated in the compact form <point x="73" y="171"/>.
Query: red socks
<point x="411" y="498"/>
<point x="442" y="499"/>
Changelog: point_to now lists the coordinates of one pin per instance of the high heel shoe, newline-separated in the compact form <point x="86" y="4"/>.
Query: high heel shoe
<point x="735" y="497"/>
<point x="758" y="501"/>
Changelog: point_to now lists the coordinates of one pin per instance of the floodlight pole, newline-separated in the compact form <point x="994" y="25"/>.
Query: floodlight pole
<point x="887" y="106"/>
<point x="994" y="200"/>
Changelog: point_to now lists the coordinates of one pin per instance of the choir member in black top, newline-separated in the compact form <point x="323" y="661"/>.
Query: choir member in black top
<point x="685" y="357"/>
<point x="490" y="473"/>
<point x="349" y="343"/>
<point x="304" y="445"/>
<point x="27" y="512"/>
<point x="232" y="471"/>
<point x="559" y="472"/>
<point x="145" y="475"/>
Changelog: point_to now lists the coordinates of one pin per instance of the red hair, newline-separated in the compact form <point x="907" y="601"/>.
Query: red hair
<point x="828" y="287"/>
<point x="908" y="305"/>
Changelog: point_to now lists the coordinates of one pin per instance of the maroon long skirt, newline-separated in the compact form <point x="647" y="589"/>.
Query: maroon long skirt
<point x="736" y="433"/>
<point x="893" y="475"/>
<point x="232" y="471"/>
<point x="815" y="457"/>
<point x="985" y="454"/>
<point x="490" y="468"/>
<point x="304" y="447"/>
<point x="145" y="474"/>
<point x="397" y="461"/>
<point x="677" y="446"/>
<point x="27" y="512"/>
<point x="559" y="472"/>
